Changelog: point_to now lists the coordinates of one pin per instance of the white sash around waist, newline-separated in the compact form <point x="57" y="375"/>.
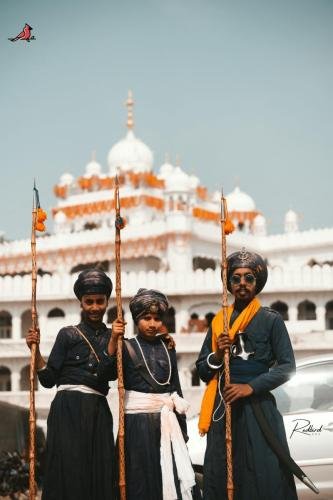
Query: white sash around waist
<point x="80" y="388"/>
<point x="171" y="434"/>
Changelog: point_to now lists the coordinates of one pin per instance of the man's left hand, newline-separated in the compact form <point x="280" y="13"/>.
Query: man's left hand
<point x="232" y="392"/>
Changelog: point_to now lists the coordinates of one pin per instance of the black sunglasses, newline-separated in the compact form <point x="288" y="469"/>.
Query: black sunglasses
<point x="235" y="279"/>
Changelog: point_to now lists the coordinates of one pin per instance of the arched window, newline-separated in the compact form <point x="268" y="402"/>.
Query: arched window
<point x="281" y="308"/>
<point x="5" y="325"/>
<point x="5" y="381"/>
<point x="56" y="313"/>
<point x="195" y="324"/>
<point x="90" y="225"/>
<point x="25" y="323"/>
<point x="203" y="263"/>
<point x="329" y="315"/>
<point x="169" y="320"/>
<point x="25" y="379"/>
<point x="306" y="310"/>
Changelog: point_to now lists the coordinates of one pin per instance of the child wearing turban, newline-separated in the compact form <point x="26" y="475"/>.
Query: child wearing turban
<point x="157" y="461"/>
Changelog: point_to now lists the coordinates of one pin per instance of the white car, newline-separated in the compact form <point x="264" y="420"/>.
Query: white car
<point x="306" y="403"/>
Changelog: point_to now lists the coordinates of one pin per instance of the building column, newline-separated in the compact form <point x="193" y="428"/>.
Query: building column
<point x="42" y="322"/>
<point x="321" y="317"/>
<point x="15" y="380"/>
<point x="181" y="319"/>
<point x="16" y="326"/>
<point x="292" y="312"/>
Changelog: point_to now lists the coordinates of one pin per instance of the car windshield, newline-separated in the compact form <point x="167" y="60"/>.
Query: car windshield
<point x="311" y="389"/>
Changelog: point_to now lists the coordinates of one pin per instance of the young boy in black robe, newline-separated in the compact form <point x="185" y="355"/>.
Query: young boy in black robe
<point x="158" y="466"/>
<point x="261" y="359"/>
<point x="80" y="455"/>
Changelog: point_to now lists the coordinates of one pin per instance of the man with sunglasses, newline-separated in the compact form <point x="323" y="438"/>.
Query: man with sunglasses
<point x="261" y="359"/>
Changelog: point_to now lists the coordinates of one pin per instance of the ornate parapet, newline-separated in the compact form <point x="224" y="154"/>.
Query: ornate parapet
<point x="303" y="279"/>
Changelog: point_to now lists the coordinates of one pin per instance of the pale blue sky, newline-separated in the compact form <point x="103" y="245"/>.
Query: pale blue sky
<point x="239" y="89"/>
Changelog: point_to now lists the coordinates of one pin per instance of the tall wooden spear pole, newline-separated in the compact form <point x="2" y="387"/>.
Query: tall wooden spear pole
<point x="226" y="355"/>
<point x="119" y="224"/>
<point x="34" y="326"/>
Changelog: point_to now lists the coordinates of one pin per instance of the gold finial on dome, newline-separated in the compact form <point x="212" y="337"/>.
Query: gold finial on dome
<point x="93" y="155"/>
<point x="129" y="105"/>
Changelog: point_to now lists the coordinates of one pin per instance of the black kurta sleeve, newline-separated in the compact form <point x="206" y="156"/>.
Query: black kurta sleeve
<point x="107" y="366"/>
<point x="206" y="373"/>
<point x="283" y="354"/>
<point x="48" y="375"/>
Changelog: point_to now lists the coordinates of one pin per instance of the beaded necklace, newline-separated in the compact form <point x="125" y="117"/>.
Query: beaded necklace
<point x="146" y="364"/>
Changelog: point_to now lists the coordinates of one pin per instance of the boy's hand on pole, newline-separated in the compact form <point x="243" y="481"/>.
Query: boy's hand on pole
<point x="33" y="337"/>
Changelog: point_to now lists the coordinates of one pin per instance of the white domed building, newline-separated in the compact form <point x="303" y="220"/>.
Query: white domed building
<point x="130" y="154"/>
<point x="171" y="242"/>
<point x="93" y="168"/>
<point x="242" y="209"/>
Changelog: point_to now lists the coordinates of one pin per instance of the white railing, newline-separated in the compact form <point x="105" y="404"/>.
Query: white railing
<point x="203" y="230"/>
<point x="287" y="279"/>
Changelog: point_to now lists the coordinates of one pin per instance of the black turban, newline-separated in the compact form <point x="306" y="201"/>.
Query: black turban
<point x="148" y="301"/>
<point x="251" y="260"/>
<point x="92" y="282"/>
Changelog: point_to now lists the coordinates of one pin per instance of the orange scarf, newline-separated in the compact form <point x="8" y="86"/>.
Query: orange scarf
<point x="239" y="325"/>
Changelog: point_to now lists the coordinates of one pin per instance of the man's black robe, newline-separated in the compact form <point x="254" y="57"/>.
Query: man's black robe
<point x="258" y="474"/>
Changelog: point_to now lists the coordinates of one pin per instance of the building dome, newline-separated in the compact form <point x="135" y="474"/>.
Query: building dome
<point x="130" y="154"/>
<point x="178" y="181"/>
<point x="238" y="201"/>
<point x="194" y="181"/>
<point x="66" y="179"/>
<point x="60" y="223"/>
<point x="291" y="216"/>
<point x="259" y="227"/>
<point x="216" y="197"/>
<point x="166" y="170"/>
<point x="93" y="168"/>
<point x="60" y="217"/>
<point x="291" y="222"/>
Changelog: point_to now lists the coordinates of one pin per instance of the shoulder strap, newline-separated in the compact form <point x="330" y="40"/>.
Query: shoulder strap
<point x="89" y="344"/>
<point x="140" y="367"/>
